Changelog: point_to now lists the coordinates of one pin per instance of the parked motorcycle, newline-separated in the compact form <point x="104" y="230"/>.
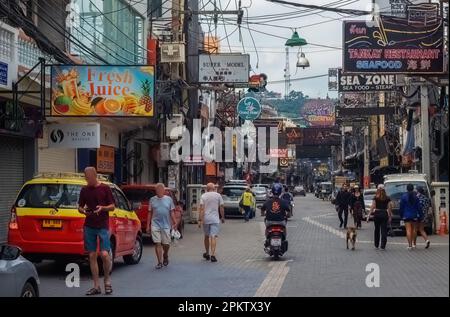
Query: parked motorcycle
<point x="276" y="244"/>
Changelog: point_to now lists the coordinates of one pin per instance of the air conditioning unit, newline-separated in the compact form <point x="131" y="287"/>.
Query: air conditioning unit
<point x="174" y="127"/>
<point x="173" y="53"/>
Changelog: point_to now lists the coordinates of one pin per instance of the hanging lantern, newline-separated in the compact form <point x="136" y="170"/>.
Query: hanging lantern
<point x="302" y="61"/>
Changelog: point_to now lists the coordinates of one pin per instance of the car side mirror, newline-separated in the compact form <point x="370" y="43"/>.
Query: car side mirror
<point x="432" y="193"/>
<point x="9" y="252"/>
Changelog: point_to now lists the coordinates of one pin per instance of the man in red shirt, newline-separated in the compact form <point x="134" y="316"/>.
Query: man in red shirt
<point x="96" y="201"/>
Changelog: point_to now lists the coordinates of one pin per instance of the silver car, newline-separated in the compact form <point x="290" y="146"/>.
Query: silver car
<point x="260" y="193"/>
<point x="368" y="196"/>
<point x="231" y="196"/>
<point x="18" y="276"/>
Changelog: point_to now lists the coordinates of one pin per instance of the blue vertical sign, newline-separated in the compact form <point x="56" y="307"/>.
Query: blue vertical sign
<point x="3" y="74"/>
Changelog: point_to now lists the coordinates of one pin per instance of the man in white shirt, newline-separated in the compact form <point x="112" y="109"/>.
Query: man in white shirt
<point x="211" y="204"/>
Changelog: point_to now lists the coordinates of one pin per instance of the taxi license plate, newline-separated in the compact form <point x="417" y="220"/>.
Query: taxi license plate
<point x="51" y="223"/>
<point x="275" y="242"/>
<point x="402" y="223"/>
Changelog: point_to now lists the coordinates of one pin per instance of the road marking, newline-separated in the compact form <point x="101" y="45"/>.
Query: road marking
<point x="274" y="280"/>
<point x="343" y="235"/>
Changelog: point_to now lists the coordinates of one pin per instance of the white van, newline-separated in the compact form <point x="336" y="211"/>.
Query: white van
<point x="395" y="186"/>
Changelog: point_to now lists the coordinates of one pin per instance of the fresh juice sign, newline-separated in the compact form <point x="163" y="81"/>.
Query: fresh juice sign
<point x="102" y="91"/>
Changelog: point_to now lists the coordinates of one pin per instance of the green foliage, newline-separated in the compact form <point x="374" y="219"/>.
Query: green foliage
<point x="289" y="107"/>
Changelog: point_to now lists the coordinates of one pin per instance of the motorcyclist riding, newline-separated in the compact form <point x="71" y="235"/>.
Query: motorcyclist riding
<point x="289" y="198"/>
<point x="275" y="208"/>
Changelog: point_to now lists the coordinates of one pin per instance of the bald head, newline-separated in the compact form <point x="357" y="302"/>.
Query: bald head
<point x="90" y="174"/>
<point x="210" y="187"/>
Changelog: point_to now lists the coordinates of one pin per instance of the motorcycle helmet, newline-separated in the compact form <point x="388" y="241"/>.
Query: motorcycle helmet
<point x="277" y="189"/>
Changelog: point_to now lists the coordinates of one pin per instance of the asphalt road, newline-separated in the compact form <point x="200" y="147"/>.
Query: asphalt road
<point x="316" y="264"/>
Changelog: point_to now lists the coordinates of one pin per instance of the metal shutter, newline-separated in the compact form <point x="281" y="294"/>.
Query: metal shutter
<point x="11" y="178"/>
<point x="55" y="160"/>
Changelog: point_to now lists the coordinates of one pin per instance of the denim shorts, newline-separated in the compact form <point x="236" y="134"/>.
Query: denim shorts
<point x="211" y="229"/>
<point x="91" y="235"/>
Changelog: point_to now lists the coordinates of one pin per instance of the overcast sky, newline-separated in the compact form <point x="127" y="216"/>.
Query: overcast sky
<point x="271" y="50"/>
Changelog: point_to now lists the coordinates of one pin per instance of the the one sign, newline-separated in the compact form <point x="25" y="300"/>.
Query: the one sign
<point x="224" y="68"/>
<point x="74" y="135"/>
<point x="321" y="136"/>
<point x="249" y="108"/>
<point x="104" y="90"/>
<point x="279" y="153"/>
<point x="398" y="46"/>
<point x="105" y="159"/>
<point x="365" y="82"/>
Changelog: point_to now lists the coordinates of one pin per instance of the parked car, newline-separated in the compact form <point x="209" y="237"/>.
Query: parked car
<point x="395" y="186"/>
<point x="45" y="222"/>
<point x="326" y="191"/>
<point x="299" y="190"/>
<point x="139" y="196"/>
<point x="18" y="276"/>
<point x="231" y="195"/>
<point x="368" y="195"/>
<point x="242" y="182"/>
<point x="260" y="193"/>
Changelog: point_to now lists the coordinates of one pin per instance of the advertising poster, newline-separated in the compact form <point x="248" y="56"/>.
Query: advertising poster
<point x="411" y="45"/>
<point x="119" y="91"/>
<point x="318" y="113"/>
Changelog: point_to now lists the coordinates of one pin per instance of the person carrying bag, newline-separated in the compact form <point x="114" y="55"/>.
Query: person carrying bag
<point x="382" y="215"/>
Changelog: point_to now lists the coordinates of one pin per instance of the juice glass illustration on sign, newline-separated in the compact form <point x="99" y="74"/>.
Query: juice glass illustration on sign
<point x="102" y="91"/>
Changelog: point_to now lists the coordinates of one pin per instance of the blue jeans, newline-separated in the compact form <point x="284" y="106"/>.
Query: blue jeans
<point x="247" y="212"/>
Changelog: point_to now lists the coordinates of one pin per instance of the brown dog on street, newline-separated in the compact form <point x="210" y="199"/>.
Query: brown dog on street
<point x="351" y="236"/>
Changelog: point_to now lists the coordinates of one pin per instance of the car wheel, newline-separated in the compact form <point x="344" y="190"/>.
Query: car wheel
<point x="28" y="290"/>
<point x="135" y="257"/>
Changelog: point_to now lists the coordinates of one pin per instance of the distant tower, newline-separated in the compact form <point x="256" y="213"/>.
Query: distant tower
<point x="287" y="76"/>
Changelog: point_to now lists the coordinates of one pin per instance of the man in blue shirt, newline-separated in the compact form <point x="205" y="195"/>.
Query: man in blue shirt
<point x="161" y="208"/>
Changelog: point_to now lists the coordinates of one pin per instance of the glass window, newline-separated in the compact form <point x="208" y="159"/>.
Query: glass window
<point x="120" y="200"/>
<point x="233" y="191"/>
<point x="49" y="195"/>
<point x="395" y="190"/>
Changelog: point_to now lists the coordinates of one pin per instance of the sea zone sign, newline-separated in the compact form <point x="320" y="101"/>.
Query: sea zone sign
<point x="365" y="82"/>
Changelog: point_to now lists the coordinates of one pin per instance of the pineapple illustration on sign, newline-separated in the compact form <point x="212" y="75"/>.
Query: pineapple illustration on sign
<point x="146" y="100"/>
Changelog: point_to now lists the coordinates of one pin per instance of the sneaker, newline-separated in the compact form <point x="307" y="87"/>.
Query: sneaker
<point x="376" y="248"/>
<point x="206" y="256"/>
<point x="414" y="246"/>
<point x="409" y="248"/>
<point x="383" y="249"/>
<point x="213" y="258"/>
<point x="427" y="244"/>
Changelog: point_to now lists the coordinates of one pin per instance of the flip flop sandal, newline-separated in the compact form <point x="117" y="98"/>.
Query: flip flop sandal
<point x="108" y="289"/>
<point x="159" y="266"/>
<point x="166" y="262"/>
<point x="93" y="291"/>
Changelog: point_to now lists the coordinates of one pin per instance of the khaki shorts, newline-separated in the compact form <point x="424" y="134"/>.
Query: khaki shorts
<point x="161" y="235"/>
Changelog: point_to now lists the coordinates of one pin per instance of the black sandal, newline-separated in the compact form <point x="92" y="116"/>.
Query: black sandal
<point x="108" y="289"/>
<point x="93" y="291"/>
<point x="159" y="266"/>
<point x="166" y="261"/>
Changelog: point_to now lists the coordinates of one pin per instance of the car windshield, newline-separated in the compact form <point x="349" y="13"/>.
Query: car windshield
<point x="395" y="190"/>
<point x="138" y="195"/>
<point x="49" y="195"/>
<point x="233" y="191"/>
<point x="259" y="190"/>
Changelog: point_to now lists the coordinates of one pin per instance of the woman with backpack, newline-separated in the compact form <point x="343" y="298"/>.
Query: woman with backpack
<point x="410" y="213"/>
<point x="382" y="215"/>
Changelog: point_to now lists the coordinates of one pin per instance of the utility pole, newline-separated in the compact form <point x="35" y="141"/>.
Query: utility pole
<point x="287" y="75"/>
<point x="425" y="126"/>
<point x="366" y="158"/>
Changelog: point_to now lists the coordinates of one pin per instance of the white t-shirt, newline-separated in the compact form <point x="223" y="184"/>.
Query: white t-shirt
<point x="211" y="202"/>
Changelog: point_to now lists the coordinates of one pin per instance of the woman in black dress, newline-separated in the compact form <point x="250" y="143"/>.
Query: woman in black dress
<point x="357" y="205"/>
